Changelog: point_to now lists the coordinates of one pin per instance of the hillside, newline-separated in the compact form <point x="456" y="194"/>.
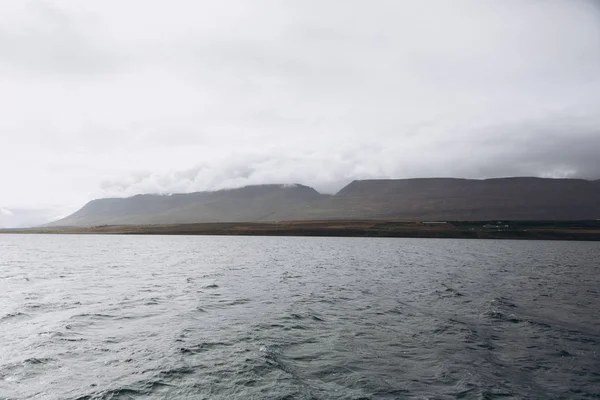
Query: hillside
<point x="425" y="199"/>
<point x="459" y="199"/>
<point x="250" y="203"/>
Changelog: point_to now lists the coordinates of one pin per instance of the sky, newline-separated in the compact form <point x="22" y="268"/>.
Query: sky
<point x="118" y="97"/>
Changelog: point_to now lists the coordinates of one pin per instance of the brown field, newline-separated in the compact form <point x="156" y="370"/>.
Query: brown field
<point x="589" y="230"/>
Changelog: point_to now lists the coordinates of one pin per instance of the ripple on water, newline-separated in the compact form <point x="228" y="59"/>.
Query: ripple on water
<point x="298" y="318"/>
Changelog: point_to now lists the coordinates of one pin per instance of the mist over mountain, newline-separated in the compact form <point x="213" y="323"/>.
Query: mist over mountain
<point x="23" y="218"/>
<point x="102" y="100"/>
<point x="424" y="199"/>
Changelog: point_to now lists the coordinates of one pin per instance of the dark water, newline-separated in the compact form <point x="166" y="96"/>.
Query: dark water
<point x="101" y="317"/>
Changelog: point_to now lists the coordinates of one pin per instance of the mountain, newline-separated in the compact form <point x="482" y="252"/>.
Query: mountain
<point x="425" y="199"/>
<point x="459" y="199"/>
<point x="250" y="203"/>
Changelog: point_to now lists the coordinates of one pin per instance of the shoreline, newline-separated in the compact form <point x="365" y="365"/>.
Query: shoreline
<point x="524" y="230"/>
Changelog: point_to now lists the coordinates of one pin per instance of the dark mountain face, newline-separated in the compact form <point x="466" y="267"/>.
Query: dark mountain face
<point x="462" y="199"/>
<point x="427" y="199"/>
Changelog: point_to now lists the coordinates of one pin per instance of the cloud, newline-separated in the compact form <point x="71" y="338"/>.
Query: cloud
<point x="45" y="38"/>
<point x="24" y="218"/>
<point x="472" y="152"/>
<point x="116" y="98"/>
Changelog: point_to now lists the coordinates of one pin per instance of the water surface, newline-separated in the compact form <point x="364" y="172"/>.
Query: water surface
<point x="174" y="317"/>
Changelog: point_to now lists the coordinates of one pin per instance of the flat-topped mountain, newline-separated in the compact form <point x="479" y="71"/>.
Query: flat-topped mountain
<point x="460" y="199"/>
<point x="425" y="199"/>
<point x="250" y="203"/>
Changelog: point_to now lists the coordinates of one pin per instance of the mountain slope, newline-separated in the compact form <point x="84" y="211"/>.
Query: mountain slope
<point x="250" y="203"/>
<point x="426" y="199"/>
<point x="459" y="199"/>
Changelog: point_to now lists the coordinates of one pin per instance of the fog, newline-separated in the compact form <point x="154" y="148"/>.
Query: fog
<point x="113" y="98"/>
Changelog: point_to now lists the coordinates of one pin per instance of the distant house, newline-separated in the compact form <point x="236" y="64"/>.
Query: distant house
<point x="497" y="226"/>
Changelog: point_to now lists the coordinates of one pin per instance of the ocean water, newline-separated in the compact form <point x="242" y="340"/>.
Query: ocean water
<point x="176" y="317"/>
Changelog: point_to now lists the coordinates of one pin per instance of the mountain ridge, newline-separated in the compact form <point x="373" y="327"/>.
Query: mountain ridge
<point x="510" y="198"/>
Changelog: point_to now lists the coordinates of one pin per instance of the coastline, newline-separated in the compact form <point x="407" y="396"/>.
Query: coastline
<point x="525" y="230"/>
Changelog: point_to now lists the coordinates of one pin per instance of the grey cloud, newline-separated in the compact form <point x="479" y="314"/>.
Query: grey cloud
<point x="52" y="41"/>
<point x="102" y="99"/>
<point x="548" y="150"/>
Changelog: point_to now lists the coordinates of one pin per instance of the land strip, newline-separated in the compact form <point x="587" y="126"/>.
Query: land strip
<point x="531" y="230"/>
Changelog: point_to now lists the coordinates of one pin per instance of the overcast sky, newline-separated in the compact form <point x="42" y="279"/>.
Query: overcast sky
<point x="117" y="97"/>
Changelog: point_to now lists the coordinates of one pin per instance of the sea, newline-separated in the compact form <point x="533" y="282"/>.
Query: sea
<point x="202" y="317"/>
